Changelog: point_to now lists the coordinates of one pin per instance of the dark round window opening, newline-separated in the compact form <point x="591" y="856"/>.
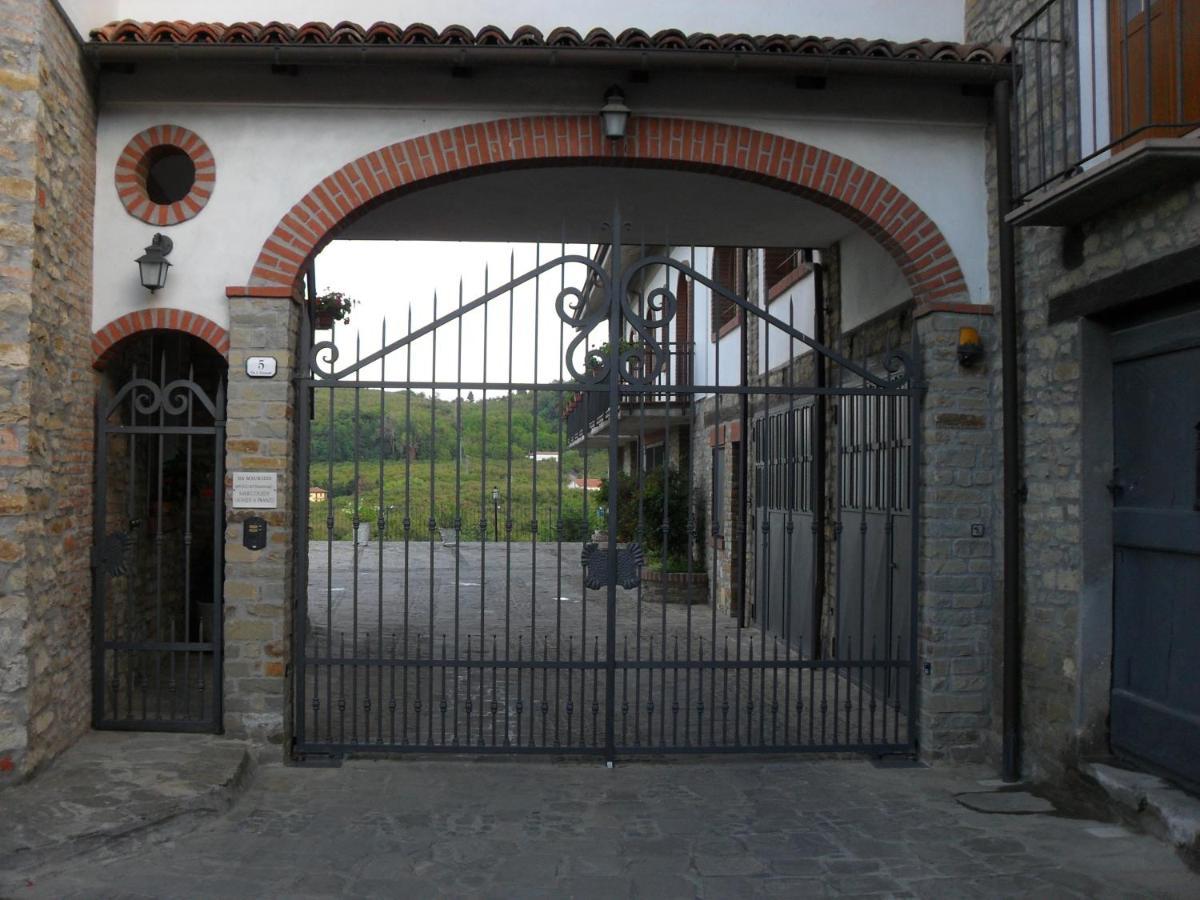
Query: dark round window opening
<point x="170" y="175"/>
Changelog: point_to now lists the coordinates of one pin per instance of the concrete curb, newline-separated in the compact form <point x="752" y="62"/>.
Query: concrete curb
<point x="1152" y="804"/>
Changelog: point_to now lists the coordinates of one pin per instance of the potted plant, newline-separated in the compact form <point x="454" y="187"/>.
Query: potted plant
<point x="330" y="307"/>
<point x="448" y="528"/>
<point x="674" y="572"/>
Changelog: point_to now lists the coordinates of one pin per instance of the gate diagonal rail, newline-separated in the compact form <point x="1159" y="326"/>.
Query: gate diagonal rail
<point x="735" y="616"/>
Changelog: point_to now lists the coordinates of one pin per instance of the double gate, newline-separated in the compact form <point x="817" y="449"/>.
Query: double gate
<point x="524" y="529"/>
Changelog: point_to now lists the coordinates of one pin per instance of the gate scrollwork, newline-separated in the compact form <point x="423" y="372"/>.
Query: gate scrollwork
<point x="172" y="399"/>
<point x="643" y="364"/>
<point x="571" y="306"/>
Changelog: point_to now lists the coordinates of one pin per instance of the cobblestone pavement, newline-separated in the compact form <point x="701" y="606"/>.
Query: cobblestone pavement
<point x="708" y="828"/>
<point x="541" y="599"/>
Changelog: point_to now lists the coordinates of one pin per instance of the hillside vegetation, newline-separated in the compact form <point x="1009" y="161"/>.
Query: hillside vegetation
<point x="446" y="475"/>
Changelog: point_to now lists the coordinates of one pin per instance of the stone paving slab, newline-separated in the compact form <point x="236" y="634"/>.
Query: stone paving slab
<point x="116" y="784"/>
<point x="707" y="828"/>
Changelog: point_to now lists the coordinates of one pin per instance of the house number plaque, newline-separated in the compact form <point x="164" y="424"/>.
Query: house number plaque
<point x="261" y="366"/>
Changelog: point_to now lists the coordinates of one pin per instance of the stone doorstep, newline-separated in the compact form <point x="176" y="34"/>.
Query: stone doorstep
<point x="113" y="785"/>
<point x="1154" y="804"/>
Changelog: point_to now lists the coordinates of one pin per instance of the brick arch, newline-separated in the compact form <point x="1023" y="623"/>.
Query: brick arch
<point x="105" y="341"/>
<point x="865" y="198"/>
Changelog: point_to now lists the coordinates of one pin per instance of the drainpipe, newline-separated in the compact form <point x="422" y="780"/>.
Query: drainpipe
<point x="1011" y="722"/>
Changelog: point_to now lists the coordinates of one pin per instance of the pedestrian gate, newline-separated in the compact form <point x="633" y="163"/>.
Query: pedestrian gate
<point x="157" y="572"/>
<point x="530" y="516"/>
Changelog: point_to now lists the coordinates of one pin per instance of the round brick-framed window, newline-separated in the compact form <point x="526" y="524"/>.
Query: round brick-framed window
<point x="165" y="175"/>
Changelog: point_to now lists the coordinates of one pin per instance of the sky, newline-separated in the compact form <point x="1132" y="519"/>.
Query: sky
<point x="391" y="279"/>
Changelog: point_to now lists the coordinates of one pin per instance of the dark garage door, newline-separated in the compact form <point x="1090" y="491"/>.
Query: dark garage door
<point x="1156" y="531"/>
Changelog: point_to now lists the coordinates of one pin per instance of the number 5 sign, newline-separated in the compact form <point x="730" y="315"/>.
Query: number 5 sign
<point x="260" y="367"/>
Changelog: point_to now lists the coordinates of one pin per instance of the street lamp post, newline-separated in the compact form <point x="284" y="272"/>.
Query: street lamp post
<point x="496" y="511"/>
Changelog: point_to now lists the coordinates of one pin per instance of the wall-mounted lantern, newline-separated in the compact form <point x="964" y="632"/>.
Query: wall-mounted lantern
<point x="970" y="346"/>
<point x="614" y="113"/>
<point x="153" y="265"/>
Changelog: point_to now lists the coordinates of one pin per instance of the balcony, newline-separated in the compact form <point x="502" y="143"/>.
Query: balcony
<point x="1106" y="105"/>
<point x="589" y="413"/>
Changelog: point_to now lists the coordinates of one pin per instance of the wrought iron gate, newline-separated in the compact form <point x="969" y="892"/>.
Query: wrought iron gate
<point x="157" y="572"/>
<point x="508" y="559"/>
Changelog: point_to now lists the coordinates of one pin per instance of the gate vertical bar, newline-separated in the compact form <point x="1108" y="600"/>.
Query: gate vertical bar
<point x="159" y="537"/>
<point x="615" y="290"/>
<point x="916" y="390"/>
<point x="821" y="467"/>
<point x="300" y="573"/>
<point x="99" y="576"/>
<point x="217" y="627"/>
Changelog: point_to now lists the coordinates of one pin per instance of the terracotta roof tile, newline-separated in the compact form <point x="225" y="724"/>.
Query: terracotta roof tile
<point x="344" y="33"/>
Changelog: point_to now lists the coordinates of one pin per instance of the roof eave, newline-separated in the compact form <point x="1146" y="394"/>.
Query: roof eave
<point x="818" y="65"/>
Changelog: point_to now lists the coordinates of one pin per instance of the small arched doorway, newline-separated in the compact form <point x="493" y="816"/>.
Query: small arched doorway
<point x="159" y="526"/>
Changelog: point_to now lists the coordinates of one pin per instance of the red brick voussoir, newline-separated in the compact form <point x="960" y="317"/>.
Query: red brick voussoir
<point x="105" y="341"/>
<point x="839" y="184"/>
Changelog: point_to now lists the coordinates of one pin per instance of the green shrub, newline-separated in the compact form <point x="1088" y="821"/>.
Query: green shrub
<point x="641" y="506"/>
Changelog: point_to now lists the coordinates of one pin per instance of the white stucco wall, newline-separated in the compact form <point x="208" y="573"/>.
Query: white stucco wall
<point x="937" y="19"/>
<point x="268" y="157"/>
<point x="871" y="282"/>
<point x="795" y="307"/>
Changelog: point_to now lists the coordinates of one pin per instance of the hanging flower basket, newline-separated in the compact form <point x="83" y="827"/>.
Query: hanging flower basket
<point x="330" y="307"/>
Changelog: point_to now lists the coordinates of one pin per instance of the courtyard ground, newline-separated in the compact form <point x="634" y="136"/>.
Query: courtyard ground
<point x="705" y="827"/>
<point x="506" y="607"/>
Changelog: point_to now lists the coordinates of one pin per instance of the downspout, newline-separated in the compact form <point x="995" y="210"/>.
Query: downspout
<point x="1011" y="722"/>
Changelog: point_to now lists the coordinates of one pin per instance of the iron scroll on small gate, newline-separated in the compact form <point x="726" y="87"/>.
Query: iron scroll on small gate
<point x="629" y="566"/>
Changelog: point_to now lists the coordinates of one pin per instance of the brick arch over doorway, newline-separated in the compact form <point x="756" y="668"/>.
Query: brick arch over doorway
<point x="105" y="341"/>
<point x="865" y="198"/>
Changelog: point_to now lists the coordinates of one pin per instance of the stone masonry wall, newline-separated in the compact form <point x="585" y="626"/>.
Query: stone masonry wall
<point x="959" y="587"/>
<point x="47" y="169"/>
<point x="1062" y="717"/>
<point x="18" y="161"/>
<point x="719" y="548"/>
<point x="61" y="396"/>
<point x="258" y="583"/>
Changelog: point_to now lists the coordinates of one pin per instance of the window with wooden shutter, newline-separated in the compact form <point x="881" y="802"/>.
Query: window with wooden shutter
<point x="1154" y="67"/>
<point x="727" y="272"/>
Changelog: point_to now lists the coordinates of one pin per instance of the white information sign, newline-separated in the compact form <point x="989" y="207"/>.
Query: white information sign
<point x="256" y="490"/>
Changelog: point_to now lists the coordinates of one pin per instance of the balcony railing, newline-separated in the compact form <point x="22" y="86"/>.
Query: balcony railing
<point x="588" y="408"/>
<point x="1096" y="76"/>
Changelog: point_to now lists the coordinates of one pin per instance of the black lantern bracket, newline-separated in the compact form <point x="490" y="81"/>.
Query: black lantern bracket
<point x="153" y="264"/>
